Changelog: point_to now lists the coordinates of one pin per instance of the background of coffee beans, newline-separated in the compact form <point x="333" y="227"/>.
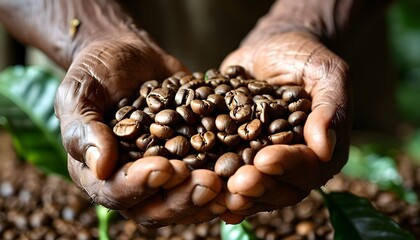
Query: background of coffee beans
<point x="209" y="120"/>
<point x="36" y="206"/>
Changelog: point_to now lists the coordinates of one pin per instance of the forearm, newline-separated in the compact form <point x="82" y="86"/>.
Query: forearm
<point x="328" y="20"/>
<point x="51" y="25"/>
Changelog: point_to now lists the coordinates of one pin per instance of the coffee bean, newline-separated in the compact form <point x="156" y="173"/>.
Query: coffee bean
<point x="293" y="93"/>
<point x="198" y="75"/>
<point x="123" y="102"/>
<point x="159" y="99"/>
<point x="222" y="89"/>
<point x="241" y="113"/>
<point x="178" y="146"/>
<point x="127" y="145"/>
<point x="297" y="134"/>
<point x="238" y="82"/>
<point x="197" y="160"/>
<point x="161" y="131"/>
<point x="250" y="130"/>
<point x="185" y="79"/>
<point x="225" y="123"/>
<point x="227" y="164"/>
<point x="236" y="99"/>
<point x="139" y="103"/>
<point x="157" y="151"/>
<point x="203" y="142"/>
<point x="217" y="81"/>
<point x="260" y="87"/>
<point x="186" y="114"/>
<point x="235" y="71"/>
<point x="186" y="130"/>
<point x="297" y="118"/>
<point x="184" y="96"/>
<point x="147" y="87"/>
<point x="135" y="155"/>
<point x="278" y="125"/>
<point x="193" y="84"/>
<point x="281" y="137"/>
<point x="171" y="82"/>
<point x="203" y="92"/>
<point x="202" y="107"/>
<point x="167" y="117"/>
<point x="143" y="118"/>
<point x="248" y="155"/>
<point x="146" y="141"/>
<point x="127" y="128"/>
<point x="301" y="104"/>
<point x="209" y="123"/>
<point x="229" y="140"/>
<point x="219" y="102"/>
<point x="259" y="143"/>
<point x="211" y="73"/>
<point x="123" y="112"/>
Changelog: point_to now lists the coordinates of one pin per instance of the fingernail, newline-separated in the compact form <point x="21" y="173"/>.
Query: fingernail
<point x="332" y="138"/>
<point x="202" y="195"/>
<point x="157" y="178"/>
<point x="91" y="159"/>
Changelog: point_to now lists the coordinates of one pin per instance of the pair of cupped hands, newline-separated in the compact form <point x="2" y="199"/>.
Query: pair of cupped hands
<point x="155" y="191"/>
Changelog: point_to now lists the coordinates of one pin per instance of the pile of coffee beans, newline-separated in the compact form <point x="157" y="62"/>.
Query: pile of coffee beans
<point x="210" y="120"/>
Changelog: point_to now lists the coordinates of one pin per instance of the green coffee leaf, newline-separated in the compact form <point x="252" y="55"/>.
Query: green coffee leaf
<point x="241" y="231"/>
<point x="355" y="218"/>
<point x="27" y="113"/>
<point x="379" y="169"/>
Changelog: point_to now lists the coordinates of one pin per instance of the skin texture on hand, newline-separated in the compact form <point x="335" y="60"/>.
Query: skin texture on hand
<point x="283" y="175"/>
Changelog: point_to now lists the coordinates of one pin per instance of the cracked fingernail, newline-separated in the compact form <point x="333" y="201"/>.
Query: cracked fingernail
<point x="202" y="195"/>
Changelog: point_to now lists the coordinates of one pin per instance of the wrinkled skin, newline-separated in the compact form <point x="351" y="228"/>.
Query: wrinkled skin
<point x="153" y="191"/>
<point x="283" y="175"/>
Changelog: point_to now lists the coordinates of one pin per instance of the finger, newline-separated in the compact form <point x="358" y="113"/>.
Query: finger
<point x="168" y="206"/>
<point x="84" y="135"/>
<point x="180" y="173"/>
<point x="128" y="186"/>
<point x="232" y="218"/>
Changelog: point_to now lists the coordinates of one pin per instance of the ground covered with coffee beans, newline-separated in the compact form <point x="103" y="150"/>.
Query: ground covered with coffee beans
<point x="38" y="206"/>
<point x="209" y="120"/>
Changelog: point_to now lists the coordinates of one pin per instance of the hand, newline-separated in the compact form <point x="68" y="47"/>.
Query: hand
<point x="283" y="175"/>
<point x="153" y="191"/>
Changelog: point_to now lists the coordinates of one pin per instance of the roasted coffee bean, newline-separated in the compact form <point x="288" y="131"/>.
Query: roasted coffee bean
<point x="197" y="160"/>
<point x="178" y="146"/>
<point x="278" y="125"/>
<point x="157" y="151"/>
<point x="250" y="130"/>
<point x="244" y="90"/>
<point x="238" y="82"/>
<point x="198" y="75"/>
<point x="235" y="71"/>
<point x="202" y="107"/>
<point x="146" y="141"/>
<point x="184" y="96"/>
<point x="281" y="137"/>
<point x="203" y="142"/>
<point x="193" y="84"/>
<point x="230" y="140"/>
<point x="127" y="145"/>
<point x="149" y="112"/>
<point x="297" y="118"/>
<point x="200" y="128"/>
<point x="214" y="82"/>
<point x="241" y="113"/>
<point x="147" y="87"/>
<point x="184" y="79"/>
<point x="134" y="155"/>
<point x="171" y="82"/>
<point x="161" y="131"/>
<point x="227" y="164"/>
<point x="278" y="108"/>
<point x="124" y="112"/>
<point x="203" y="92"/>
<point x="225" y="123"/>
<point x="211" y="73"/>
<point x="222" y="89"/>
<point x="248" y="155"/>
<point x="260" y="142"/>
<point x="209" y="123"/>
<point x="219" y="102"/>
<point x="236" y="99"/>
<point x="142" y="117"/>
<point x="293" y="93"/>
<point x="260" y="87"/>
<point x="262" y="112"/>
<point x="159" y="99"/>
<point x="167" y="117"/>
<point x="123" y="102"/>
<point x="139" y="103"/>
<point x="186" y="114"/>
<point x="112" y="123"/>
<point x="127" y="128"/>
<point x="297" y="134"/>
<point x="186" y="130"/>
<point x="302" y="104"/>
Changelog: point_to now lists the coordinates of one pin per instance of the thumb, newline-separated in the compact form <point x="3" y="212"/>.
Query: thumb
<point x="79" y="106"/>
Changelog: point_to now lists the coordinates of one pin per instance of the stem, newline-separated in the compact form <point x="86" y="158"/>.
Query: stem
<point x="104" y="217"/>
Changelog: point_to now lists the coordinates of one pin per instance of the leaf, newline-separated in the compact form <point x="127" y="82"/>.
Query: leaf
<point x="241" y="231"/>
<point x="355" y="218"/>
<point x="379" y="169"/>
<point x="27" y="112"/>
